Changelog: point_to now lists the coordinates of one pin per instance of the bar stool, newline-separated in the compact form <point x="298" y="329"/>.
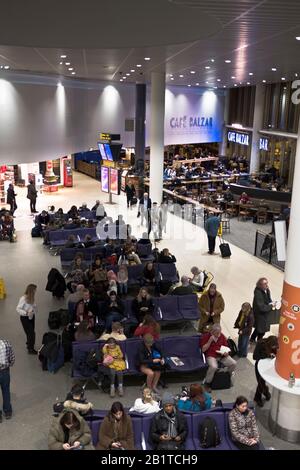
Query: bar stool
<point x="225" y="225"/>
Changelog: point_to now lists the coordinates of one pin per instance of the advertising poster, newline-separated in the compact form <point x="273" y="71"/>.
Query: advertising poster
<point x="105" y="179"/>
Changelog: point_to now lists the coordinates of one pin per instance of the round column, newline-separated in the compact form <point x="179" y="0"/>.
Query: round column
<point x="257" y="125"/>
<point x="223" y="144"/>
<point x="140" y="117"/>
<point x="157" y="136"/>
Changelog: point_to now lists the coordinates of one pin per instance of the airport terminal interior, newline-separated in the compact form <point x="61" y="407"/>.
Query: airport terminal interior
<point x="167" y="146"/>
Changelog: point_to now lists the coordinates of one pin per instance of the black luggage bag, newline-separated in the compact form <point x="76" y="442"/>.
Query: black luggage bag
<point x="224" y="249"/>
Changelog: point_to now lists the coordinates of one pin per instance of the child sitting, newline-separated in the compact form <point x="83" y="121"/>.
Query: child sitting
<point x="113" y="358"/>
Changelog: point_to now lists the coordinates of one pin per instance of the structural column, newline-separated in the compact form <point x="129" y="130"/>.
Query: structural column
<point x="140" y="117"/>
<point x="157" y="135"/>
<point x="257" y="125"/>
<point x="223" y="144"/>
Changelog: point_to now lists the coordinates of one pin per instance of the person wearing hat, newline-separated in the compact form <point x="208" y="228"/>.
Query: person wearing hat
<point x="150" y="361"/>
<point x="168" y="427"/>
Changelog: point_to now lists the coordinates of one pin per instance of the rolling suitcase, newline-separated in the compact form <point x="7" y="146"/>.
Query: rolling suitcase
<point x="224" y="249"/>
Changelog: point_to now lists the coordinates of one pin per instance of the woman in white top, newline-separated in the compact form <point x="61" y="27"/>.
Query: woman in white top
<point x="27" y="310"/>
<point x="146" y="404"/>
<point x="198" y="279"/>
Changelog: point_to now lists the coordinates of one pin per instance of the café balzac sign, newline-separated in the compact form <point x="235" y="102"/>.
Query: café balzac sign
<point x="185" y="122"/>
<point x="238" y="138"/>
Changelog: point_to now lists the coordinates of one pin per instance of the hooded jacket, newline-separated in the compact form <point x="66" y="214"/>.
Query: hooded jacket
<point x="56" y="436"/>
<point x="109" y="432"/>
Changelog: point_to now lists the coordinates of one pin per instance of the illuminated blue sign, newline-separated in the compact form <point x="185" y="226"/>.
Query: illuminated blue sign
<point x="238" y="138"/>
<point x="185" y="122"/>
<point x="263" y="144"/>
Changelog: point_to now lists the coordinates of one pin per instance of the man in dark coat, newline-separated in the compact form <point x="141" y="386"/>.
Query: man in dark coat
<point x="11" y="199"/>
<point x="32" y="195"/>
<point x="144" y="210"/>
<point x="262" y="306"/>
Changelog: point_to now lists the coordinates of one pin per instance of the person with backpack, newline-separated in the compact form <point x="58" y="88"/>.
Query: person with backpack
<point x="244" y="323"/>
<point x="243" y="426"/>
<point x="114" y="359"/>
<point x="211" y="344"/>
<point x="168" y="427"/>
<point x="70" y="431"/>
<point x="197" y="400"/>
<point x="265" y="349"/>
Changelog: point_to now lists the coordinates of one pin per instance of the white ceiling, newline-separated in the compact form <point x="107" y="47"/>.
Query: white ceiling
<point x="107" y="39"/>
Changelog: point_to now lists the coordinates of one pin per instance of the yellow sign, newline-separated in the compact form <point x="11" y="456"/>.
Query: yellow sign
<point x="109" y="164"/>
<point x="105" y="136"/>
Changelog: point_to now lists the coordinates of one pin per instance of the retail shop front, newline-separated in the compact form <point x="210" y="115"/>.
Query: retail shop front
<point x="239" y="148"/>
<point x="278" y="151"/>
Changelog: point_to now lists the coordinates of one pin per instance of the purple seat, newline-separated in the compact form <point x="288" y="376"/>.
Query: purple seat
<point x="146" y="425"/>
<point x="168" y="271"/>
<point x="128" y="311"/>
<point x="137" y="431"/>
<point x="185" y="348"/>
<point x="95" y="427"/>
<point x="135" y="274"/>
<point x="131" y="347"/>
<point x="79" y="353"/>
<point x="219" y="417"/>
<point x="189" y="443"/>
<point x="145" y="251"/>
<point x="188" y="306"/>
<point x="167" y="309"/>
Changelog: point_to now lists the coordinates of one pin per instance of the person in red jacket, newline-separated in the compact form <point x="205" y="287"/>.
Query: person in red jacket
<point x="148" y="326"/>
<point x="211" y="344"/>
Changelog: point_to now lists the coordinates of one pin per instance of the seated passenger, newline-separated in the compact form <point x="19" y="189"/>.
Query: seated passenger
<point x="75" y="400"/>
<point x="185" y="288"/>
<point x="149" y="274"/>
<point x="150" y="361"/>
<point x="211" y="344"/>
<point x="198" y="400"/>
<point x="148" y="326"/>
<point x="73" y="212"/>
<point x="142" y="305"/>
<point x="84" y="332"/>
<point x="71" y="242"/>
<point x="117" y="332"/>
<point x="197" y="281"/>
<point x="146" y="404"/>
<point x="116" y="431"/>
<point x="166" y="257"/>
<point x="243" y="427"/>
<point x="168" y="427"/>
<point x="145" y="239"/>
<point x="114" y="360"/>
<point x="43" y="219"/>
<point x="70" y="431"/>
<point x="244" y="199"/>
<point x="77" y="274"/>
<point x="87" y="309"/>
<point x="112" y="310"/>
<point x="83" y="208"/>
<point x="88" y="242"/>
<point x="122" y="279"/>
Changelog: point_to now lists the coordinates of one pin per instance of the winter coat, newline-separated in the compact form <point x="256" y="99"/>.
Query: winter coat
<point x="243" y="426"/>
<point x="247" y="324"/>
<point x="261" y="309"/>
<point x="204" y="306"/>
<point x="31" y="192"/>
<point x="82" y="406"/>
<point x="109" y="433"/>
<point x="160" y="425"/>
<point x="56" y="436"/>
<point x="145" y="408"/>
<point x="11" y="196"/>
<point x="136" y="308"/>
<point x="56" y="282"/>
<point x="118" y="362"/>
<point x="189" y="405"/>
<point x="212" y="226"/>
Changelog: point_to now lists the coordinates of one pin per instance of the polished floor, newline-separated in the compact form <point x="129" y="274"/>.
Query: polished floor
<point x="34" y="391"/>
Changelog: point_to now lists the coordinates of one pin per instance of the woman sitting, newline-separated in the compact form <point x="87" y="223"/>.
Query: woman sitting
<point x="70" y="431"/>
<point x="122" y="278"/>
<point x="198" y="400"/>
<point x="98" y="276"/>
<point x="166" y="257"/>
<point x="146" y="404"/>
<point x="113" y="310"/>
<point x="197" y="281"/>
<point x="84" y="332"/>
<point x="116" y="431"/>
<point x="117" y="332"/>
<point x="142" y="305"/>
<point x="243" y="426"/>
<point x="76" y="400"/>
<point x="149" y="274"/>
<point x="77" y="274"/>
<point x="113" y="358"/>
<point x="150" y="361"/>
<point x="71" y="242"/>
<point x="148" y="326"/>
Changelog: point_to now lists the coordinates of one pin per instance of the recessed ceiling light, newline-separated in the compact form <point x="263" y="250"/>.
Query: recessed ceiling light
<point x="124" y="78"/>
<point x="264" y="81"/>
<point x="224" y="86"/>
<point x="63" y="56"/>
<point x="192" y="71"/>
<point x="67" y="63"/>
<point x="61" y="63"/>
<point x="250" y="73"/>
<point x="212" y="60"/>
<point x="235" y="84"/>
<point x="170" y="75"/>
<point x="227" y="61"/>
<point x="233" y="77"/>
<point x="1" y="66"/>
<point x="70" y="68"/>
<point x="274" y="69"/>
<point x="172" y="78"/>
<point x="147" y="58"/>
<point x="132" y="70"/>
<point x="121" y="79"/>
<point x="127" y="74"/>
<point x="73" y="73"/>
<point x="189" y="85"/>
<point x="207" y="83"/>
<point x="138" y="65"/>
<point x="248" y="83"/>
<point x="6" y="67"/>
<point x="283" y="78"/>
<point x="298" y="38"/>
<point x="207" y="67"/>
<point x="218" y="79"/>
<point x="296" y="75"/>
<point x="197" y="84"/>
<point x="181" y="76"/>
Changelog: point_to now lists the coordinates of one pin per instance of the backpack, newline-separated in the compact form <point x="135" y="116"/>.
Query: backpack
<point x="93" y="358"/>
<point x="57" y="357"/>
<point x="208" y="433"/>
<point x="232" y="346"/>
<point x="54" y="320"/>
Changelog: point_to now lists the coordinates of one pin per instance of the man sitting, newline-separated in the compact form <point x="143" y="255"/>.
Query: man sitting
<point x="185" y="288"/>
<point x="211" y="344"/>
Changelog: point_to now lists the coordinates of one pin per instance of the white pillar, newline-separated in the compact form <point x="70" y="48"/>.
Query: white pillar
<point x="157" y="135"/>
<point x="257" y="125"/>
<point x="223" y="144"/>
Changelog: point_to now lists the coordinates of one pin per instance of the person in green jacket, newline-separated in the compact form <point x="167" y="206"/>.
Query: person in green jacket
<point x="69" y="431"/>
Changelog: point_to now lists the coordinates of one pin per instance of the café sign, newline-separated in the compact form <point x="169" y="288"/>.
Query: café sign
<point x="238" y="138"/>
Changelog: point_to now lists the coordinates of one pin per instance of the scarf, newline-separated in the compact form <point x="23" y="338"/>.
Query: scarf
<point x="172" y="422"/>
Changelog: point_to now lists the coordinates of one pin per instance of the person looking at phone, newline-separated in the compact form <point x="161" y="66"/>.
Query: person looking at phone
<point x="69" y="431"/>
<point x="116" y="431"/>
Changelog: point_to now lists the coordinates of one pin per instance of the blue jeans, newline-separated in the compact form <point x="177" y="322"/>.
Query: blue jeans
<point x="123" y="288"/>
<point x="110" y="319"/>
<point x="4" y="383"/>
<point x="243" y="345"/>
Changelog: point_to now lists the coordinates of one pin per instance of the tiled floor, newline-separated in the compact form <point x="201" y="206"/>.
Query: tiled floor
<point x="34" y="391"/>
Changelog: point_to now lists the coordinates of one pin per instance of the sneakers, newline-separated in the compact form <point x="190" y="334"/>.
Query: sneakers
<point x="112" y="391"/>
<point x="8" y="415"/>
<point x="120" y="391"/>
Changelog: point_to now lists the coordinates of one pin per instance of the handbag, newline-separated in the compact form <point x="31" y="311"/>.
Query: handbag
<point x="108" y="360"/>
<point x="156" y="354"/>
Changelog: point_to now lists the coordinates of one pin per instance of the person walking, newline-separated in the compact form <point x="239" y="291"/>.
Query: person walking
<point x="27" y="310"/>
<point x="262" y="306"/>
<point x="265" y="349"/>
<point x="129" y="195"/>
<point x="211" y="227"/>
<point x="11" y="198"/>
<point x="7" y="360"/>
<point x="144" y="211"/>
<point x="32" y="195"/>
